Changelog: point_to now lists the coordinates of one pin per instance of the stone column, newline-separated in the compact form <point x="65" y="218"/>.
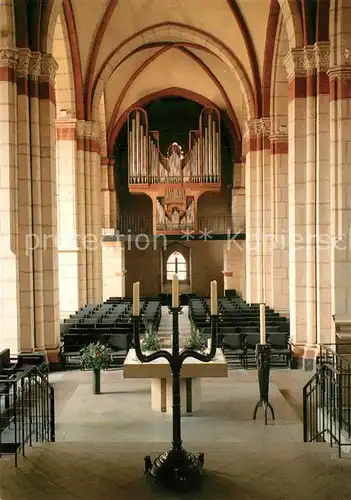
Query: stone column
<point x="238" y="198"/>
<point x="88" y="237"/>
<point x="8" y="190"/>
<point x="105" y="196"/>
<point x="113" y="265"/>
<point x="251" y="213"/>
<point x="49" y="205"/>
<point x="25" y="203"/>
<point x="310" y="186"/>
<point x="81" y="220"/>
<point x="66" y="159"/>
<point x="295" y="64"/>
<point x="36" y="180"/>
<point x="323" y="239"/>
<point x="96" y="213"/>
<point x="280" y="223"/>
<point x="113" y="195"/>
<point x="265" y="212"/>
<point x="340" y="86"/>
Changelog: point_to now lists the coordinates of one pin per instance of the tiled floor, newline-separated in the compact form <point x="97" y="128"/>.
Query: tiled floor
<point x="102" y="440"/>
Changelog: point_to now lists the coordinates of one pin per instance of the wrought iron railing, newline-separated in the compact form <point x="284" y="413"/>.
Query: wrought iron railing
<point x="210" y="225"/>
<point x="27" y="411"/>
<point x="327" y="400"/>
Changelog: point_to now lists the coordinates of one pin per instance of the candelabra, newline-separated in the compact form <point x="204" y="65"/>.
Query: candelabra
<point x="176" y="468"/>
<point x="263" y="361"/>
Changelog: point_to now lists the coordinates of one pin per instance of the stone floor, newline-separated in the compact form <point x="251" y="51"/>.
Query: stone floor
<point x="102" y="440"/>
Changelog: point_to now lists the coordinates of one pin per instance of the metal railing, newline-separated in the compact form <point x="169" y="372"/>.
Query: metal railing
<point x="327" y="400"/>
<point x="27" y="411"/>
<point x="211" y="225"/>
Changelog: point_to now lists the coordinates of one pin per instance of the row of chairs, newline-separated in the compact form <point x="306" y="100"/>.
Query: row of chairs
<point x="109" y="323"/>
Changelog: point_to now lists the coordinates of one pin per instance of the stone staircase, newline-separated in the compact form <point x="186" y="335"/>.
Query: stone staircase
<point x="165" y="327"/>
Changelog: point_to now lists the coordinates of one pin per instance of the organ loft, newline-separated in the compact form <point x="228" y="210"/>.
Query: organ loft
<point x="176" y="180"/>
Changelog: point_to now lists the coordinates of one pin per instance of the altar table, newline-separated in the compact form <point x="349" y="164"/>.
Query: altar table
<point x="160" y="374"/>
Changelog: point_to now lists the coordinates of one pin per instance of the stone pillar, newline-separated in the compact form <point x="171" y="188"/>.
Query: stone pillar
<point x="238" y="197"/>
<point x="280" y="223"/>
<point x="66" y="159"/>
<point x="36" y="174"/>
<point x="340" y="88"/>
<point x="234" y="266"/>
<point x="323" y="239"/>
<point x="105" y="196"/>
<point x="295" y="64"/>
<point x="81" y="220"/>
<point x="310" y="186"/>
<point x="96" y="213"/>
<point x="47" y="113"/>
<point x="251" y="213"/>
<point x="8" y="188"/>
<point x="25" y="204"/>
<point x="113" y="195"/>
<point x="113" y="265"/>
<point x="89" y="212"/>
<point x="266" y="212"/>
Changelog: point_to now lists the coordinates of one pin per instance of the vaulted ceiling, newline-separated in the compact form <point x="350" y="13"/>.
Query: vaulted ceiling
<point x="218" y="51"/>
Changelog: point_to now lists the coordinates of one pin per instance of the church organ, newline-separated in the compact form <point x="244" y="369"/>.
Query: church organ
<point x="174" y="181"/>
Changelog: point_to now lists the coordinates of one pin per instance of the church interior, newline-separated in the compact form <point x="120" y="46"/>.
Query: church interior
<point x="175" y="249"/>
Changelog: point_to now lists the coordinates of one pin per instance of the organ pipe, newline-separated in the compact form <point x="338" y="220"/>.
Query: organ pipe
<point x="137" y="143"/>
<point x="210" y="148"/>
<point x="133" y="147"/>
<point x="214" y="151"/>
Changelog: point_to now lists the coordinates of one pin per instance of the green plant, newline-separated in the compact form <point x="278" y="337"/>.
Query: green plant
<point x="150" y="342"/>
<point x="95" y="356"/>
<point x="195" y="340"/>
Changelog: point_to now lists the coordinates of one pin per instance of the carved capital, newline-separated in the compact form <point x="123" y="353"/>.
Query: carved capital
<point x="322" y="56"/>
<point x="34" y="65"/>
<point x="265" y="126"/>
<point x="88" y="130"/>
<point x="340" y="73"/>
<point x="309" y="60"/>
<point x="24" y="56"/>
<point x="95" y="131"/>
<point x="48" y="68"/>
<point x="295" y="63"/>
<point x="8" y="58"/>
<point x="80" y="129"/>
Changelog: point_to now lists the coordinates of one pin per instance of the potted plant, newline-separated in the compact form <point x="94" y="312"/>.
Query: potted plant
<point x="95" y="357"/>
<point x="150" y="342"/>
<point x="195" y="340"/>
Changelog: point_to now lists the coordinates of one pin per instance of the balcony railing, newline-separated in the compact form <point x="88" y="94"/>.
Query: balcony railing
<point x="210" y="225"/>
<point x="195" y="179"/>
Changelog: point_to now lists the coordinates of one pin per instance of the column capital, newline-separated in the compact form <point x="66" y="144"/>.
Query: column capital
<point x="111" y="162"/>
<point x="258" y="126"/>
<point x="295" y="63"/>
<point x="95" y="131"/>
<point x="322" y="56"/>
<point x="8" y="58"/>
<point x="305" y="61"/>
<point x="34" y="65"/>
<point x="48" y="68"/>
<point x="24" y="56"/>
<point x="81" y="129"/>
<point x="340" y="73"/>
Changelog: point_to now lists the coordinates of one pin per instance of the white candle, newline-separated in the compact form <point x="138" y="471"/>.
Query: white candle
<point x="175" y="291"/>
<point x="214" y="299"/>
<point x="262" y="323"/>
<point x="136" y="299"/>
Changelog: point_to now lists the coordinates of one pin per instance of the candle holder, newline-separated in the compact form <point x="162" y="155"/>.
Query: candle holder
<point x="263" y="362"/>
<point x="176" y="468"/>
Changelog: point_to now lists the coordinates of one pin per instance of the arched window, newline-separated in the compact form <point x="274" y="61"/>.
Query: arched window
<point x="176" y="264"/>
